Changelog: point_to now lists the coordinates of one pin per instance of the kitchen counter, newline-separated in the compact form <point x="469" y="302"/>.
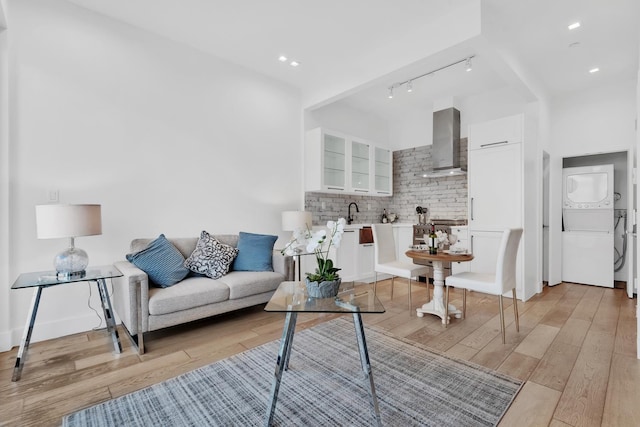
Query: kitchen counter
<point x="358" y="226"/>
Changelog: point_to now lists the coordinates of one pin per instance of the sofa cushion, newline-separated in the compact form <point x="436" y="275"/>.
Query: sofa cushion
<point x="211" y="257"/>
<point x="255" y="252"/>
<point x="191" y="292"/>
<point x="162" y="262"/>
<point x="246" y="283"/>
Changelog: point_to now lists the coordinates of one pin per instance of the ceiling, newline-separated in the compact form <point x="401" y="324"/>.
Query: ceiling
<point x="335" y="38"/>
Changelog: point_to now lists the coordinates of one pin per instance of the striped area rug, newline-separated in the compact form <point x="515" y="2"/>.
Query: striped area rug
<point x="324" y="386"/>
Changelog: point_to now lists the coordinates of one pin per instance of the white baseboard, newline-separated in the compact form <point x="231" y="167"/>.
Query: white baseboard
<point x="55" y="329"/>
<point x="5" y="341"/>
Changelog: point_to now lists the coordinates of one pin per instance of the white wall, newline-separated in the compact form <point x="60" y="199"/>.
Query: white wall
<point x="168" y="140"/>
<point x="343" y="118"/>
<point x="597" y="121"/>
<point x="5" y="335"/>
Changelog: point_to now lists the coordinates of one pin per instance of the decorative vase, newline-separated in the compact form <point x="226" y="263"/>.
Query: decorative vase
<point x="326" y="289"/>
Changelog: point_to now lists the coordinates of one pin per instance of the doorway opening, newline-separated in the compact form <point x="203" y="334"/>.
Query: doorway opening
<point x="597" y="202"/>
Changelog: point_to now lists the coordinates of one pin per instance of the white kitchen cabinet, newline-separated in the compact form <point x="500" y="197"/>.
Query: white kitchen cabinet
<point x="501" y="175"/>
<point x="366" y="271"/>
<point x="346" y="257"/>
<point x="503" y="131"/>
<point x="495" y="187"/>
<point x="383" y="171"/>
<point x="326" y="161"/>
<point x="340" y="163"/>
<point x="360" y="166"/>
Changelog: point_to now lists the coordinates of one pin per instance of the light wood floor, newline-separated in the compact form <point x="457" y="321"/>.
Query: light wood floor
<point x="576" y="349"/>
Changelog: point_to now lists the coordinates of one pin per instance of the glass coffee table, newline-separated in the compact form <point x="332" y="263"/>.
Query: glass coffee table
<point x="353" y="298"/>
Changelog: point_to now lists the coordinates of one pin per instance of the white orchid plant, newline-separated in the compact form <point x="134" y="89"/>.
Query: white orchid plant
<point x="318" y="242"/>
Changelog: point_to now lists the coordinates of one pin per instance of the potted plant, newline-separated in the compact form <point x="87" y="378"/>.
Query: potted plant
<point x="325" y="281"/>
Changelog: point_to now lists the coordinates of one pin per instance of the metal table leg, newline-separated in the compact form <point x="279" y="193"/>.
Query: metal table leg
<point x="108" y="315"/>
<point x="366" y="366"/>
<point x="26" y="335"/>
<point x="281" y="362"/>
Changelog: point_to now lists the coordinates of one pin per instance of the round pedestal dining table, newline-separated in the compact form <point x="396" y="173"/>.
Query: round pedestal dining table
<point x="436" y="305"/>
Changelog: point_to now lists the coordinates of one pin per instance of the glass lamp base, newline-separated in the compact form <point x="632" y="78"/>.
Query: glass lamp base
<point x="71" y="263"/>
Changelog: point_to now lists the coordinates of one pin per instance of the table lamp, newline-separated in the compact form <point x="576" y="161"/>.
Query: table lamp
<point x="296" y="220"/>
<point x="70" y="221"/>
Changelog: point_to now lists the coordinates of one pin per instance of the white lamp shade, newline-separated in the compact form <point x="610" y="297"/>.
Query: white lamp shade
<point x="57" y="221"/>
<point x="296" y="220"/>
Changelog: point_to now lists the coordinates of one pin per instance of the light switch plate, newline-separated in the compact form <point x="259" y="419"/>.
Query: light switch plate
<point x="53" y="196"/>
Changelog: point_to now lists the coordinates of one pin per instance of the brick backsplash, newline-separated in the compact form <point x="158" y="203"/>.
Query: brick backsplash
<point x="443" y="197"/>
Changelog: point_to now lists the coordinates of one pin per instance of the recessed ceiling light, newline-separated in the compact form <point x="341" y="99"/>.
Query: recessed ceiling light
<point x="282" y="58"/>
<point x="594" y="70"/>
<point x="574" y="26"/>
<point x="294" y="63"/>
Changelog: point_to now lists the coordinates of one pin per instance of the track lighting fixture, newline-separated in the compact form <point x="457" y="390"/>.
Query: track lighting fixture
<point x="409" y="83"/>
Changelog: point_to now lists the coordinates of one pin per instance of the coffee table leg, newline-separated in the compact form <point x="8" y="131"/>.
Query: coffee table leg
<point x="366" y="365"/>
<point x="108" y="315"/>
<point x="283" y="357"/>
<point x="26" y="335"/>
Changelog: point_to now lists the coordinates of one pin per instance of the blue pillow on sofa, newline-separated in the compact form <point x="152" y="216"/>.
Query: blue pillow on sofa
<point x="163" y="262"/>
<point x="255" y="252"/>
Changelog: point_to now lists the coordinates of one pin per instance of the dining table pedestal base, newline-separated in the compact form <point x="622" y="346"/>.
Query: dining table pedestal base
<point x="436" y="305"/>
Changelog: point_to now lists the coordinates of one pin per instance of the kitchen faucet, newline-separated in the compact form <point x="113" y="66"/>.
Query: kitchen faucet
<point x="349" y="219"/>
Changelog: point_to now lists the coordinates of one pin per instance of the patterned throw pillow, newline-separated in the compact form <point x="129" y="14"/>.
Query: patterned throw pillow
<point x="211" y="257"/>
<point x="163" y="263"/>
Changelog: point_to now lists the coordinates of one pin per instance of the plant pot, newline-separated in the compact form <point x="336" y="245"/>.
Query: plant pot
<point x="323" y="289"/>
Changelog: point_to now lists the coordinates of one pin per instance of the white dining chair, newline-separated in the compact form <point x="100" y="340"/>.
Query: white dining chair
<point x="503" y="281"/>
<point x="386" y="261"/>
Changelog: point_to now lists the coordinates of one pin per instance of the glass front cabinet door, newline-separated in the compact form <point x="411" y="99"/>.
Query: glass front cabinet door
<point x="334" y="162"/>
<point x="360" y="167"/>
<point x="383" y="172"/>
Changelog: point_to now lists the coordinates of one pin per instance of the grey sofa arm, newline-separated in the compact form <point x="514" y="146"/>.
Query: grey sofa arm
<point x="131" y="297"/>
<point x="283" y="264"/>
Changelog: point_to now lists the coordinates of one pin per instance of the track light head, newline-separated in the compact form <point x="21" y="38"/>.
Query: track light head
<point x="410" y="86"/>
<point x="468" y="65"/>
<point x="390" y="92"/>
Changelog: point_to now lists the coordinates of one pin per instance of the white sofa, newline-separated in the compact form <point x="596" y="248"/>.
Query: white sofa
<point x="143" y="308"/>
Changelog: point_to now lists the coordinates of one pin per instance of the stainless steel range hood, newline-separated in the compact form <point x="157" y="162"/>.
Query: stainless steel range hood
<point x="445" y="151"/>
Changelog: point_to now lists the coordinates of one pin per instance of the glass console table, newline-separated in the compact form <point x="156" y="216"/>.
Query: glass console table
<point x="353" y="298"/>
<point x="46" y="279"/>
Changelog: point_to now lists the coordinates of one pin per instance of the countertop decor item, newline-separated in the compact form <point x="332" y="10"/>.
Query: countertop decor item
<point x="319" y="242"/>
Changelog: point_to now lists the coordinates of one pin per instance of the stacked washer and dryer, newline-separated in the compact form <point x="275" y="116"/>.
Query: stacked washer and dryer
<point x="588" y="225"/>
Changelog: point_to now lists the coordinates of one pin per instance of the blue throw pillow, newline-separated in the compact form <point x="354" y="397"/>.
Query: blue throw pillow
<point x="255" y="252"/>
<point x="163" y="262"/>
